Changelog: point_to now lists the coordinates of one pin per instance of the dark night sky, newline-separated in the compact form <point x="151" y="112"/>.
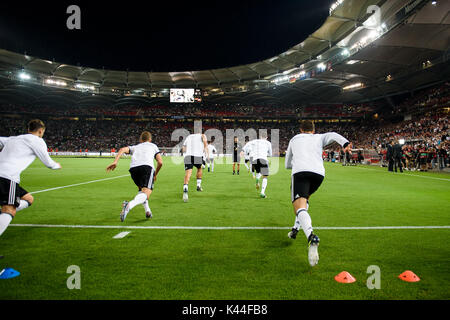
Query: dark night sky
<point x="159" y="35"/>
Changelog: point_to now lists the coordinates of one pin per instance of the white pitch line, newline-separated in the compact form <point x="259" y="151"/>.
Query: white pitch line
<point x="79" y="184"/>
<point x="121" y="235"/>
<point x="220" y="228"/>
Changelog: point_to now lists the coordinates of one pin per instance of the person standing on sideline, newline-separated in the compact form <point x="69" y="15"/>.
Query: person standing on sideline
<point x="397" y="154"/>
<point x="17" y="154"/>
<point x="236" y="155"/>
<point x="390" y="156"/>
<point x="304" y="157"/>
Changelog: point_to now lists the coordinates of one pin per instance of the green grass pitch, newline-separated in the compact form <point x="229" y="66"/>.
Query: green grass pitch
<point x="234" y="263"/>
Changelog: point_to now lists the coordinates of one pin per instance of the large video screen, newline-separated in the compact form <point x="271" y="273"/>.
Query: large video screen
<point x="185" y="95"/>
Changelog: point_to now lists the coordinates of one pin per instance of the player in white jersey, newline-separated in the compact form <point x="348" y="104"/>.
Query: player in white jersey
<point x="261" y="149"/>
<point x="212" y="151"/>
<point x="193" y="147"/>
<point x="17" y="154"/>
<point x="142" y="172"/>
<point x="304" y="157"/>
<point x="248" y="156"/>
<point x="249" y="150"/>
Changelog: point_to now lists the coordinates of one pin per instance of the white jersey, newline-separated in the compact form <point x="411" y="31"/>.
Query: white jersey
<point x="248" y="150"/>
<point x="212" y="151"/>
<point x="194" y="145"/>
<point x="304" y="151"/>
<point x="261" y="149"/>
<point x="19" y="152"/>
<point x="143" y="154"/>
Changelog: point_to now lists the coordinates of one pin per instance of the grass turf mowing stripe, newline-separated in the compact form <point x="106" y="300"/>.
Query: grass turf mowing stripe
<point x="220" y="228"/>
<point x="79" y="184"/>
<point x="404" y="173"/>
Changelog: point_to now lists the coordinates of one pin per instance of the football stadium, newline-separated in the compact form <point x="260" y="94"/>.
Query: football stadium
<point x="367" y="93"/>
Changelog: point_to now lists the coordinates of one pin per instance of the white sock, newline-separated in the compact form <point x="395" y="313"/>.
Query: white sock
<point x="5" y="219"/>
<point x="303" y="220"/>
<point x="139" y="199"/>
<point x="199" y="182"/>
<point x="264" y="186"/>
<point x="146" y="206"/>
<point x="212" y="166"/>
<point x="258" y="176"/>
<point x="185" y="188"/>
<point x="22" y="205"/>
<point x="245" y="164"/>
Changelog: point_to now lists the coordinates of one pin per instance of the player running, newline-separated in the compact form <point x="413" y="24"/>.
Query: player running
<point x="212" y="151"/>
<point x="261" y="149"/>
<point x="142" y="172"/>
<point x="304" y="157"/>
<point x="17" y="154"/>
<point x="193" y="148"/>
<point x="248" y="153"/>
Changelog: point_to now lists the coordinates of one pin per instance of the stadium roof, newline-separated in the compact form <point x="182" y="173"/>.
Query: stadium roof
<point x="405" y="47"/>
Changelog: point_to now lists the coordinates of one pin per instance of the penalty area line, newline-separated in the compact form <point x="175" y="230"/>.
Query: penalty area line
<point x="219" y="228"/>
<point x="79" y="184"/>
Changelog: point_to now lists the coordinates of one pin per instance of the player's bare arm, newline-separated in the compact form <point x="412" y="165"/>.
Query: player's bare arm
<point x="158" y="166"/>
<point x="205" y="146"/>
<point x="113" y="165"/>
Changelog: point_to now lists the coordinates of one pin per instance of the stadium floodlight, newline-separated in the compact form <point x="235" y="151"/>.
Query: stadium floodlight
<point x="345" y="52"/>
<point x="434" y="3"/>
<point x="352" y="61"/>
<point x="56" y="82"/>
<point x="353" y="86"/>
<point x="24" y="76"/>
<point x="321" y="66"/>
<point x="335" y="5"/>
<point x="84" y="86"/>
<point x="401" y="141"/>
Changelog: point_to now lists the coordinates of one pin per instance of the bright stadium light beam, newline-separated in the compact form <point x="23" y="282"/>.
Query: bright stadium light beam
<point x="345" y="52"/>
<point x="24" y="76"/>
<point x="353" y="86"/>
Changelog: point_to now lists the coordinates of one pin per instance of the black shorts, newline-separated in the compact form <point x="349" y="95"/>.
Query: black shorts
<point x="236" y="157"/>
<point x="261" y="166"/>
<point x="304" y="184"/>
<point x="191" y="161"/>
<point x="10" y="193"/>
<point x="143" y="176"/>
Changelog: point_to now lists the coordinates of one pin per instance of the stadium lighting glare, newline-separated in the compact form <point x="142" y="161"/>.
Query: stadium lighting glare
<point x="373" y="34"/>
<point x="321" y="66"/>
<point x="434" y="3"/>
<point x="401" y="141"/>
<point x="335" y="5"/>
<point x="24" y="76"/>
<point x="56" y="82"/>
<point x="353" y="86"/>
<point x="84" y="87"/>
<point x="352" y="61"/>
<point x="345" y="52"/>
